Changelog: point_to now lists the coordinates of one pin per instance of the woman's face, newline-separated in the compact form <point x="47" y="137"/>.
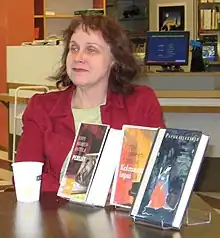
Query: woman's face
<point x="89" y="59"/>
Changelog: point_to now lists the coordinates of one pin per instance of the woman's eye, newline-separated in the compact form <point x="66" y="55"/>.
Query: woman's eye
<point x="91" y="50"/>
<point x="74" y="48"/>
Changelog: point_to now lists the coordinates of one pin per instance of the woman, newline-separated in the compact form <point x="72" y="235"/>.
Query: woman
<point x="97" y="69"/>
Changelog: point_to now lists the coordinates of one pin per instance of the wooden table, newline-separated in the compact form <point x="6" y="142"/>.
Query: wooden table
<point x="212" y="198"/>
<point x="53" y="217"/>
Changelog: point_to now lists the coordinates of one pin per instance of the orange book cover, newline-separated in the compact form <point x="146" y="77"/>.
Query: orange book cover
<point x="137" y="143"/>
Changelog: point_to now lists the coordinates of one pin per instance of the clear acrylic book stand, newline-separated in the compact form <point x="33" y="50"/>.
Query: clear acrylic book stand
<point x="195" y="217"/>
<point x="192" y="217"/>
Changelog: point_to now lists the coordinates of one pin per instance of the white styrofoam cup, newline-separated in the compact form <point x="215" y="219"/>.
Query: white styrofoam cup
<point x="27" y="179"/>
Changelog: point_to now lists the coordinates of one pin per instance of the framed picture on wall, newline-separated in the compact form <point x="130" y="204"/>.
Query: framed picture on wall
<point x="171" y="17"/>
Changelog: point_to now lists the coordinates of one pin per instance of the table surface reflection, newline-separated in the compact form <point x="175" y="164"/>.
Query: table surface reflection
<point x="54" y="217"/>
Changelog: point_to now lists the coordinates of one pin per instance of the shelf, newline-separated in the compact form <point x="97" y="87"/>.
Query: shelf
<point x="55" y="16"/>
<point x="204" y="31"/>
<point x="51" y="17"/>
<point x="60" y="16"/>
<point x="39" y="24"/>
<point x="208" y="15"/>
<point x="210" y="30"/>
<point x="38" y="16"/>
<point x="133" y="19"/>
<point x="38" y="7"/>
<point x="110" y="5"/>
<point x="209" y="5"/>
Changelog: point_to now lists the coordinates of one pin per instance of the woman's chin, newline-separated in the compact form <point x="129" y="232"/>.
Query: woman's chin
<point x="80" y="82"/>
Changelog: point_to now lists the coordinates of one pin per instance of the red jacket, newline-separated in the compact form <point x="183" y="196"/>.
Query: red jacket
<point x="48" y="125"/>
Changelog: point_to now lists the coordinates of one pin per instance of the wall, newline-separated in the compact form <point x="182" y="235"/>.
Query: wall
<point x="55" y="26"/>
<point x="49" y="57"/>
<point x="3" y="111"/>
<point x="16" y="25"/>
<point x="190" y="14"/>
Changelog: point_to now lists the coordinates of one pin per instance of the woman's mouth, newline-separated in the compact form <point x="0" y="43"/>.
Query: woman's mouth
<point x="79" y="70"/>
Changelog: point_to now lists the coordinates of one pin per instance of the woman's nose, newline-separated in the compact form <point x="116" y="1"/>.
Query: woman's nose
<point x="79" y="56"/>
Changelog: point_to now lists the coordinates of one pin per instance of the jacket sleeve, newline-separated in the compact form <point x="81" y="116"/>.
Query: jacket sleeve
<point x="30" y="147"/>
<point x="154" y="113"/>
<point x="31" y="143"/>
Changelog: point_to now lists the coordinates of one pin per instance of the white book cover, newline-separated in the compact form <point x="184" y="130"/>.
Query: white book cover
<point x="102" y="180"/>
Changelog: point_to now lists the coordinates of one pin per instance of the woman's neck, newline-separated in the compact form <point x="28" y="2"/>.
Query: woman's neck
<point x="88" y="98"/>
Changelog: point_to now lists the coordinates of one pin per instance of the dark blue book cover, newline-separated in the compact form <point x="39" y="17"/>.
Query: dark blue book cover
<point x="160" y="196"/>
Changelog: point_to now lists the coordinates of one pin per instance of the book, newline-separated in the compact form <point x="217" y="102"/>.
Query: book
<point x="169" y="177"/>
<point x="136" y="146"/>
<point x="79" y="172"/>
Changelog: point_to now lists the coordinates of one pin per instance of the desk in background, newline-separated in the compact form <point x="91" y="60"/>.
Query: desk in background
<point x="192" y="109"/>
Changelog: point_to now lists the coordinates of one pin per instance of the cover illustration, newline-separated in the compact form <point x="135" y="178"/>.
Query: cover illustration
<point x="168" y="176"/>
<point x="137" y="142"/>
<point x="84" y="159"/>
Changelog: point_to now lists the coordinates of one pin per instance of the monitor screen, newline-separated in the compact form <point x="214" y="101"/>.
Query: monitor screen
<point x="167" y="48"/>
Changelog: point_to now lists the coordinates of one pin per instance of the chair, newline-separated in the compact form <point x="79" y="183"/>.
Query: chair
<point x="5" y="172"/>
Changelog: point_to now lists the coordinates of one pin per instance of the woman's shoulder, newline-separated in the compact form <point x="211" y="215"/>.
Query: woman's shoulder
<point x="141" y="92"/>
<point x="49" y="99"/>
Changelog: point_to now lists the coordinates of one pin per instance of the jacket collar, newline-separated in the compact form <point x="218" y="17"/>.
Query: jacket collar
<point x="115" y="99"/>
<point x="62" y="106"/>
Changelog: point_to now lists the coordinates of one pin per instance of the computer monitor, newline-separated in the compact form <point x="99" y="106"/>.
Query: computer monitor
<point x="169" y="49"/>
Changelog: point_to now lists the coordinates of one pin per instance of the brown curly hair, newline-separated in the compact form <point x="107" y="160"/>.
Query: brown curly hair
<point x="125" y="68"/>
